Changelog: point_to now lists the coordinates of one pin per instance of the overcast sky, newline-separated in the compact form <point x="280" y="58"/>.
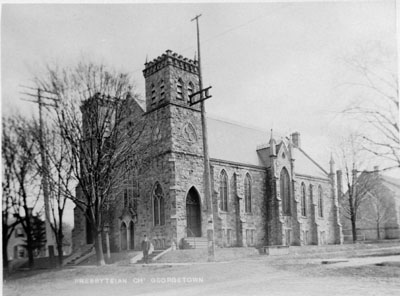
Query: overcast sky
<point x="271" y="65"/>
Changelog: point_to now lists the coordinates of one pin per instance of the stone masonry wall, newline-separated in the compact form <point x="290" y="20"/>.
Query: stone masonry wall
<point x="252" y="224"/>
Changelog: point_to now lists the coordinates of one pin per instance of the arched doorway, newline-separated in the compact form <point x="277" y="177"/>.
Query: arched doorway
<point x="193" y="213"/>
<point x="132" y="236"/>
<point x="124" y="239"/>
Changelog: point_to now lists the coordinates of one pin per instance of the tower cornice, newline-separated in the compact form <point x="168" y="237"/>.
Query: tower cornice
<point x="170" y="58"/>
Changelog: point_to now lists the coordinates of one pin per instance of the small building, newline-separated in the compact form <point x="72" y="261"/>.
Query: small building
<point x="15" y="247"/>
<point x="265" y="190"/>
<point x="378" y="216"/>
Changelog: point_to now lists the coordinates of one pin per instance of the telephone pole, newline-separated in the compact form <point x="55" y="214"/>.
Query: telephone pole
<point x="45" y="169"/>
<point x="207" y="175"/>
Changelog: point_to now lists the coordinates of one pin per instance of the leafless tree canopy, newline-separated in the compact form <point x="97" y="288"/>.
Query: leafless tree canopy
<point x="92" y="116"/>
<point x="376" y="102"/>
<point x="20" y="178"/>
<point x="352" y="159"/>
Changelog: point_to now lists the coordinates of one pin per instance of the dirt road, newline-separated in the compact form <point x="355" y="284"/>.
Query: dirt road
<point x="246" y="277"/>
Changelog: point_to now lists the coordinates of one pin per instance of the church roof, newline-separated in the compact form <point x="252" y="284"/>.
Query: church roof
<point x="238" y="143"/>
<point x="234" y="142"/>
<point x="305" y="165"/>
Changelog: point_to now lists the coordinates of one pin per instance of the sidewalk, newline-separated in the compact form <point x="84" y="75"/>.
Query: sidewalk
<point x="351" y="262"/>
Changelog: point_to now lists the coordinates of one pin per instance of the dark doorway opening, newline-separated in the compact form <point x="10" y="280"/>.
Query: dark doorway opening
<point x="193" y="213"/>
<point x="132" y="236"/>
<point x="123" y="233"/>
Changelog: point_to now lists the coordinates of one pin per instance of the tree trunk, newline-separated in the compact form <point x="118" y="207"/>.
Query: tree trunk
<point x="377" y="230"/>
<point x="353" y="228"/>
<point x="99" y="249"/>
<point x="5" y="254"/>
<point x="30" y="252"/>
<point x="60" y="239"/>
<point x="60" y="254"/>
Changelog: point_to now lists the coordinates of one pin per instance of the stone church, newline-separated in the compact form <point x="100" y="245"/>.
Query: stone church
<point x="265" y="190"/>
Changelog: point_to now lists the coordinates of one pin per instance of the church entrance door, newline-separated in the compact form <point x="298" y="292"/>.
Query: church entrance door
<point x="193" y="213"/>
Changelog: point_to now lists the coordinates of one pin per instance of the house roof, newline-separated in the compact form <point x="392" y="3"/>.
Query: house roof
<point x="235" y="142"/>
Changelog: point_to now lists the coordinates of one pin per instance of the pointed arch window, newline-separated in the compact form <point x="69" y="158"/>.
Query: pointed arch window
<point x="158" y="205"/>
<point x="285" y="192"/>
<point x="223" y="191"/>
<point x="320" y="202"/>
<point x="190" y="90"/>
<point x="162" y="90"/>
<point x="179" y="89"/>
<point x="247" y="193"/>
<point x="303" y="200"/>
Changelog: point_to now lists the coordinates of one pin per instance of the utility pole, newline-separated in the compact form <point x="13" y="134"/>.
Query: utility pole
<point x="207" y="175"/>
<point x="45" y="170"/>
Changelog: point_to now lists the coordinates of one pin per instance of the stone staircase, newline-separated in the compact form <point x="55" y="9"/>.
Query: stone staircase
<point x="195" y="243"/>
<point x="79" y="256"/>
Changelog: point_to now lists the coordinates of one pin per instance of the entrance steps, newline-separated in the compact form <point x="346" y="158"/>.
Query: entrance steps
<point x="195" y="243"/>
<point x="152" y="256"/>
<point x="79" y="256"/>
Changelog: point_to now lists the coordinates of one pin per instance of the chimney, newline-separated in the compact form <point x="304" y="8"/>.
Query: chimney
<point x="296" y="140"/>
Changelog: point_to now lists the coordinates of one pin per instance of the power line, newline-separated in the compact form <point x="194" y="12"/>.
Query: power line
<point x="234" y="28"/>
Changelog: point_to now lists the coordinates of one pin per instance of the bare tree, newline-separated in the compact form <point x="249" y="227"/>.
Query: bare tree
<point x="8" y="198"/>
<point x="379" y="211"/>
<point x="94" y="114"/>
<point x="375" y="100"/>
<point x="356" y="186"/>
<point x="60" y="179"/>
<point x="19" y="154"/>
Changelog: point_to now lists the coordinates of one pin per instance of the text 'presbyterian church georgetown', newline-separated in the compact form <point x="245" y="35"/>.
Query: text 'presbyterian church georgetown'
<point x="263" y="194"/>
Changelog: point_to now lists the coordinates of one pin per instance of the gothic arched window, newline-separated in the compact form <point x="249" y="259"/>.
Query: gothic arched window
<point x="303" y="200"/>
<point x="223" y="191"/>
<point x="190" y="90"/>
<point x="285" y="191"/>
<point x="247" y="193"/>
<point x="179" y="89"/>
<point x="158" y="205"/>
<point x="320" y="202"/>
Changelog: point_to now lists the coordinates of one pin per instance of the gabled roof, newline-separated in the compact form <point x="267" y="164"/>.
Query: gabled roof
<point x="305" y="165"/>
<point x="233" y="142"/>
<point x="237" y="143"/>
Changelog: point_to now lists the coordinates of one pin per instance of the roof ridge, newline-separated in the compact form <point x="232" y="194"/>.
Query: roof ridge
<point x="391" y="180"/>
<point x="241" y="124"/>
<point x="313" y="161"/>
